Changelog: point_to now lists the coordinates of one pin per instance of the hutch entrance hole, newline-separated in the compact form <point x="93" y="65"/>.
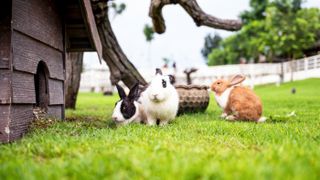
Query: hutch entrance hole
<point x="41" y="86"/>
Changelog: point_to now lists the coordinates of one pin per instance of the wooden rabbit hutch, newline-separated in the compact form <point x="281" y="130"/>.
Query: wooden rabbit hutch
<point x="35" y="36"/>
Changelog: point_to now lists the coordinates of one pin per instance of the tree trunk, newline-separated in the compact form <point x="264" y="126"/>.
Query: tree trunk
<point x="119" y="65"/>
<point x="74" y="61"/>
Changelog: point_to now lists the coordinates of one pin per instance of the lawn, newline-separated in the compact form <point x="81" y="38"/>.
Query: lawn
<point x="194" y="146"/>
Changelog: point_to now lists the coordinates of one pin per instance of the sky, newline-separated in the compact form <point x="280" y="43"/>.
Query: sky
<point x="182" y="41"/>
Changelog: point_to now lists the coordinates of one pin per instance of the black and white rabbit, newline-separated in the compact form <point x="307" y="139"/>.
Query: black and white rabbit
<point x="128" y="109"/>
<point x="160" y="100"/>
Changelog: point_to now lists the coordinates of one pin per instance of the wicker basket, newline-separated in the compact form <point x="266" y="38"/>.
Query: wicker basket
<point x="193" y="98"/>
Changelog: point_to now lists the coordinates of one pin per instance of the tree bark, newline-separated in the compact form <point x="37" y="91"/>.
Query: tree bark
<point x="74" y="61"/>
<point x="194" y="10"/>
<point x="119" y="65"/>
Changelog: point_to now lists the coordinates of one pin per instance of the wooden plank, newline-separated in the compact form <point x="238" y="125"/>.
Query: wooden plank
<point x="56" y="92"/>
<point x="79" y="45"/>
<point x="28" y="52"/>
<point x="21" y="117"/>
<point x="77" y="33"/>
<point x="80" y="48"/>
<point x="73" y="12"/>
<point x="4" y="123"/>
<point x="5" y="90"/>
<point x="92" y="27"/>
<point x="4" y="48"/>
<point x="23" y="90"/>
<point x="39" y="19"/>
<point x="55" y="111"/>
<point x="5" y="34"/>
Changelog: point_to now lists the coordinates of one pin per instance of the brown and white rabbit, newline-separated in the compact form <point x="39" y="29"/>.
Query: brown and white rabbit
<point x="237" y="102"/>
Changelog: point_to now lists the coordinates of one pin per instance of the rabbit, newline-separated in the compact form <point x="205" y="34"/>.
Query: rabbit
<point x="160" y="100"/>
<point x="128" y="109"/>
<point x="237" y="102"/>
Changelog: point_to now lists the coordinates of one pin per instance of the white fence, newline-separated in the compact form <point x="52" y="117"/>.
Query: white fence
<point x="95" y="80"/>
<point x="257" y="74"/>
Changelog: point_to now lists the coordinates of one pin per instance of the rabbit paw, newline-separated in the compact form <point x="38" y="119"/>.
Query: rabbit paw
<point x="151" y="122"/>
<point x="224" y="115"/>
<point x="163" y="123"/>
<point x="230" y="118"/>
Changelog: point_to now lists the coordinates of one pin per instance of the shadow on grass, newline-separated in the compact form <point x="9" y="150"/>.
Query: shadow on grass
<point x="272" y="119"/>
<point x="279" y="119"/>
<point x="91" y="121"/>
<point x="79" y="121"/>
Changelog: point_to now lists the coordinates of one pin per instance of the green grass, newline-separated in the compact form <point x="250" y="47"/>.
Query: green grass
<point x="194" y="146"/>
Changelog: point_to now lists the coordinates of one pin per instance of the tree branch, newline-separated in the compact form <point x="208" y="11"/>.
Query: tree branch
<point x="194" y="10"/>
<point x="119" y="65"/>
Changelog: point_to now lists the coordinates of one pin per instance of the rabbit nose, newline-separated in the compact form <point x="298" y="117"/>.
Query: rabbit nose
<point x="155" y="95"/>
<point x="114" y="118"/>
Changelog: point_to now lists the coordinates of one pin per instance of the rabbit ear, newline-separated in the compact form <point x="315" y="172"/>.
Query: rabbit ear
<point x="236" y="80"/>
<point x="172" y="79"/>
<point x="121" y="92"/>
<point x="134" y="91"/>
<point x="158" y="71"/>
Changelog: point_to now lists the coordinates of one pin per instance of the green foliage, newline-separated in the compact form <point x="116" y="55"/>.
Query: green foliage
<point x="166" y="61"/>
<point x="195" y="146"/>
<point x="257" y="12"/>
<point x="118" y="8"/>
<point x="259" y="8"/>
<point x="285" y="31"/>
<point x="290" y="33"/>
<point x="210" y="43"/>
<point x="148" y="32"/>
<point x="286" y="6"/>
<point x="217" y="57"/>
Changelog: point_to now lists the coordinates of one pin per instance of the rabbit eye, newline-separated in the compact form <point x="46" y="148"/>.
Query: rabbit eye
<point x="218" y="83"/>
<point x="164" y="83"/>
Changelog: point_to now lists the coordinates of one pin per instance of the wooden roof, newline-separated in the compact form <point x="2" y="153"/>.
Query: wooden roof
<point x="81" y="28"/>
